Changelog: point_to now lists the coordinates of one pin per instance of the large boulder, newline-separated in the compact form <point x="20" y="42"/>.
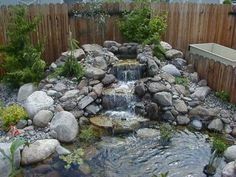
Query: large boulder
<point x="78" y="54"/>
<point x="203" y="112"/>
<point x="108" y="79"/>
<point x="173" y="53"/>
<point x="85" y="101"/>
<point x="108" y="44"/>
<point x="25" y="91"/>
<point x="180" y="106"/>
<point x="140" y="89"/>
<point x="201" y="93"/>
<point x="179" y="63"/>
<point x="37" y="101"/>
<point x="69" y="94"/>
<point x="64" y="126"/>
<point x="5" y="166"/>
<point x="155" y="87"/>
<point x="229" y="170"/>
<point x="163" y="98"/>
<point x="42" y="118"/>
<point x="94" y="73"/>
<point x="38" y="151"/>
<point x="171" y="69"/>
<point x="99" y="62"/>
<point x="230" y="153"/>
<point x="216" y="125"/>
<point x="152" y="67"/>
<point x="93" y="49"/>
<point x="165" y="45"/>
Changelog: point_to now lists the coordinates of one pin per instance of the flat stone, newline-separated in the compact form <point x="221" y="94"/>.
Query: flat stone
<point x="168" y="77"/>
<point x="69" y="94"/>
<point x="147" y="133"/>
<point x="155" y="87"/>
<point x="173" y="53"/>
<point x="108" y="79"/>
<point x="102" y="122"/>
<point x="202" y="111"/>
<point x="201" y="93"/>
<point x="171" y="69"/>
<point x="93" y="109"/>
<point x="183" y="120"/>
<point x="85" y="101"/>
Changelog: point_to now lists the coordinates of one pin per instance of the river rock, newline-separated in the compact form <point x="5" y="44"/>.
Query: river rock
<point x="42" y="118"/>
<point x="179" y="63"/>
<point x="229" y="170"/>
<point x="230" y="153"/>
<point x="152" y="67"/>
<point x="94" y="73"/>
<point x="194" y="77"/>
<point x="93" y="109"/>
<point x="109" y="44"/>
<point x="37" y="101"/>
<point x="180" y="106"/>
<point x="98" y="89"/>
<point x="181" y="90"/>
<point x="201" y="93"/>
<point x="152" y="110"/>
<point x="21" y="124"/>
<point x="168" y="116"/>
<point x="140" y="89"/>
<point x="155" y="87"/>
<point x="165" y="45"/>
<point x="69" y="94"/>
<point x="125" y="126"/>
<point x="173" y="53"/>
<point x="38" y="151"/>
<point x="78" y="54"/>
<point x="99" y="62"/>
<point x="101" y="121"/>
<point x="171" y="69"/>
<point x="60" y="87"/>
<point x="65" y="125"/>
<point x="25" y="91"/>
<point x="85" y="101"/>
<point x="5" y="166"/>
<point x="94" y="49"/>
<point x="196" y="124"/>
<point x="205" y="112"/>
<point x="216" y="125"/>
<point x="147" y="133"/>
<point x="183" y="120"/>
<point x="62" y="151"/>
<point x="163" y="98"/>
<point x="168" y="77"/>
<point x="108" y="79"/>
<point x="69" y="105"/>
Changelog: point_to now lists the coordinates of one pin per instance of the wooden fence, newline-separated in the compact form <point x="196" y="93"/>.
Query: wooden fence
<point x="187" y="23"/>
<point x="219" y="76"/>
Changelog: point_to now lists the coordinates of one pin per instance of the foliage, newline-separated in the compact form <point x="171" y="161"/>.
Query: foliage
<point x="16" y="144"/>
<point x="74" y="158"/>
<point x="22" y="61"/>
<point x="182" y="81"/>
<point x="219" y="145"/>
<point x="162" y="175"/>
<point x="72" y="68"/>
<point x="223" y="95"/>
<point x="88" y="135"/>
<point x="12" y="114"/>
<point x="166" y="133"/>
<point x="227" y="2"/>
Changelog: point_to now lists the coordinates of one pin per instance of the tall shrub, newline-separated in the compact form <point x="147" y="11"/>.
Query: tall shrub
<point x="22" y="62"/>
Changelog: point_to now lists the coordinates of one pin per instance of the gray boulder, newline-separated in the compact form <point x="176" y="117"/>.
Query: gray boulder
<point x="85" y="101"/>
<point x="155" y="87"/>
<point x="25" y="91"/>
<point x="168" y="77"/>
<point x="173" y="53"/>
<point x="65" y="126"/>
<point x="99" y="62"/>
<point x="37" y="101"/>
<point x="94" y="73"/>
<point x="229" y="170"/>
<point x="69" y="94"/>
<point x="42" y="118"/>
<point x="163" y="98"/>
<point x="183" y="120"/>
<point x="179" y="63"/>
<point x="140" y="89"/>
<point x="230" y="153"/>
<point x="216" y="125"/>
<point x="171" y="69"/>
<point x="38" y="151"/>
<point x="109" y="44"/>
<point x="78" y="54"/>
<point x="180" y="106"/>
<point x="203" y="112"/>
<point x="108" y="79"/>
<point x="93" y="49"/>
<point x="152" y="67"/>
<point x="5" y="166"/>
<point x="60" y="87"/>
<point x="201" y="93"/>
<point x="165" y="45"/>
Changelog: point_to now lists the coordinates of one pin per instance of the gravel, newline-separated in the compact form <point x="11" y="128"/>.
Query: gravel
<point x="7" y="95"/>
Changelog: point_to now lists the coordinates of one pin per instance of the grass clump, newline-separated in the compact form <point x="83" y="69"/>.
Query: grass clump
<point x="88" y="135"/>
<point x="166" y="133"/>
<point x="223" y="95"/>
<point x="219" y="145"/>
<point x="12" y="114"/>
<point x="182" y="81"/>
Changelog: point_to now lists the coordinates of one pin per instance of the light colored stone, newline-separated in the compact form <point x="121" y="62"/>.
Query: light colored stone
<point x="147" y="133"/>
<point x="168" y="77"/>
<point x="78" y="54"/>
<point x="180" y="106"/>
<point x="230" y="153"/>
<point x="165" y="45"/>
<point x="202" y="111"/>
<point x="85" y="101"/>
<point x="25" y="91"/>
<point x="98" y="89"/>
<point x="94" y="73"/>
<point x="201" y="93"/>
<point x="60" y="87"/>
<point x="171" y="69"/>
<point x="216" y="125"/>
<point x="173" y="53"/>
<point x="37" y="101"/>
<point x="42" y="118"/>
<point x="229" y="170"/>
<point x="183" y="120"/>
<point x="196" y="124"/>
<point x="65" y="125"/>
<point x="155" y="87"/>
<point x="163" y="98"/>
<point x="38" y="151"/>
<point x="69" y="94"/>
<point x="62" y="151"/>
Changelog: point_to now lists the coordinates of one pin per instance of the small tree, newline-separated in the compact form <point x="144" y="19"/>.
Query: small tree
<point x="22" y="62"/>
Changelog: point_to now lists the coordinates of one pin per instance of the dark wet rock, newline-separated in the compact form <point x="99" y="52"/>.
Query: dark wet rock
<point x="21" y="124"/>
<point x="168" y="116"/>
<point x="152" y="110"/>
<point x="163" y="98"/>
<point x="152" y="68"/>
<point x="109" y="44"/>
<point x="140" y="89"/>
<point x="108" y="79"/>
<point x="155" y="87"/>
<point x="179" y="63"/>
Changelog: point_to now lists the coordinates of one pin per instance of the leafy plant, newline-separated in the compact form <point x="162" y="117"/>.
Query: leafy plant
<point x="22" y="62"/>
<point x="72" y="68"/>
<point x="227" y="2"/>
<point x="223" y="95"/>
<point x="12" y="114"/>
<point x="219" y="145"/>
<point x="166" y="133"/>
<point x="88" y="135"/>
<point x="74" y="158"/>
<point x="182" y="81"/>
<point x="16" y="144"/>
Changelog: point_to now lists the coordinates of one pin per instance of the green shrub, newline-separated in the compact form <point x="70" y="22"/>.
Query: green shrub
<point x="22" y="62"/>
<point x="88" y="135"/>
<point x="223" y="95"/>
<point x="12" y="114"/>
<point x="166" y="133"/>
<point x="227" y="2"/>
<point x="182" y="81"/>
<point x="219" y="145"/>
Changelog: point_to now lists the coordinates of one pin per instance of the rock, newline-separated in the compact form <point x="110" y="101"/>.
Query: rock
<point x="99" y="62"/>
<point x="42" y="118"/>
<point x="101" y="121"/>
<point x="152" y="67"/>
<point x="196" y="124"/>
<point x="230" y="153"/>
<point x="168" y="77"/>
<point x="201" y="111"/>
<point x="183" y="120"/>
<point x="152" y="110"/>
<point x="216" y="125"/>
<point x="229" y="170"/>
<point x="93" y="109"/>
<point x="125" y="126"/>
<point x="78" y="54"/>
<point x="98" y="89"/>
<point x="109" y="44"/>
<point x="194" y="77"/>
<point x="69" y="105"/>
<point x="83" y="121"/>
<point x="168" y="116"/>
<point x="180" y="106"/>
<point x="140" y="89"/>
<point x="155" y="87"/>
<point x="202" y="83"/>
<point x="69" y="94"/>
<point x="65" y="125"/>
<point x="25" y="91"/>
<point x="62" y="151"/>
<point x="93" y="49"/>
<point x="201" y="93"/>
<point x="163" y="98"/>
<point x="60" y="87"/>
<point x="179" y="63"/>
<point x="83" y="83"/>
<point x="53" y="93"/>
<point x="5" y="165"/>
<point x="171" y="69"/>
<point x="173" y="53"/>
<point x="94" y="73"/>
<point x="233" y="133"/>
<point x="21" y="124"/>
<point x="181" y="90"/>
<point x="85" y="101"/>
<point x="38" y="151"/>
<point x="147" y="133"/>
<point x="108" y="79"/>
<point x="37" y="101"/>
<point x="142" y="58"/>
<point x="165" y="45"/>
